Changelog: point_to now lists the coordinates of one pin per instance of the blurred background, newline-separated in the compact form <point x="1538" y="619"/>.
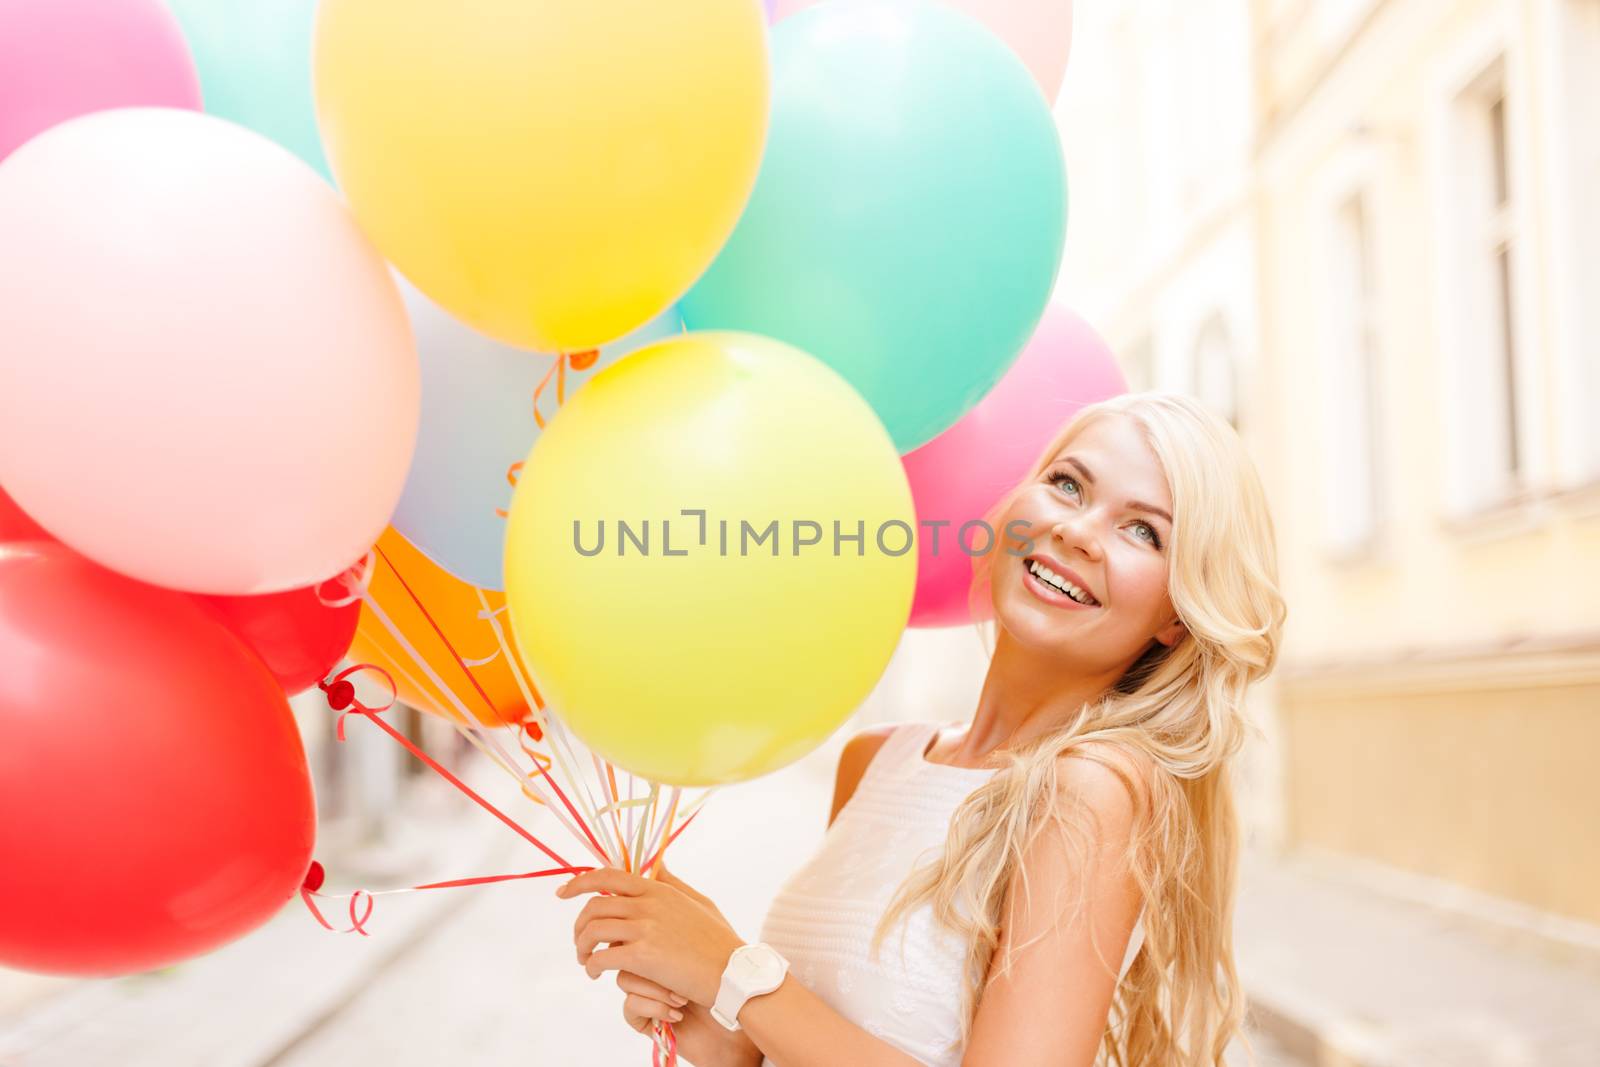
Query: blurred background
<point x="1368" y="233"/>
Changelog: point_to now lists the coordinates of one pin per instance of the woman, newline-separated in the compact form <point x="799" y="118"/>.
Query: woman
<point x="1089" y="800"/>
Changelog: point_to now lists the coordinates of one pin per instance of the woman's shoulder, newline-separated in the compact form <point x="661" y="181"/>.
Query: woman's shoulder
<point x="1109" y="779"/>
<point x="857" y="756"/>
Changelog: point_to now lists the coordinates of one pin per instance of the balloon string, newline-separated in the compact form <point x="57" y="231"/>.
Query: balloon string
<point x="673" y="837"/>
<point x="359" y="915"/>
<point x="489" y="703"/>
<point x="513" y="472"/>
<point x="551" y="782"/>
<point x="447" y="694"/>
<point x="538" y="390"/>
<point x="664" y="1047"/>
<point x="531" y="695"/>
<point x="353" y="580"/>
<point x="341" y="697"/>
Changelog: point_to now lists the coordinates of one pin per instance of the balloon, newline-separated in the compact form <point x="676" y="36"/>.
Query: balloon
<point x="431" y="632"/>
<point x="64" y="58"/>
<point x="1039" y="31"/>
<point x="959" y="475"/>
<point x="157" y="796"/>
<point x="907" y="224"/>
<point x="483" y="404"/>
<point x="745" y="653"/>
<point x="553" y="174"/>
<point x="211" y="384"/>
<point x="15" y="525"/>
<point x="300" y="635"/>
<point x="255" y="67"/>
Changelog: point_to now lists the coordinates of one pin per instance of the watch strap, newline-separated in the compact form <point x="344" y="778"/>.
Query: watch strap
<point x="731" y="999"/>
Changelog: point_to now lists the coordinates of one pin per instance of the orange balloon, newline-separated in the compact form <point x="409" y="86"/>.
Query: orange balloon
<point x="412" y="601"/>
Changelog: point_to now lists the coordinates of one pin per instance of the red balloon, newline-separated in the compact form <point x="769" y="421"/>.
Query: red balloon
<point x="15" y="525"/>
<point x="297" y="636"/>
<point x="156" y="795"/>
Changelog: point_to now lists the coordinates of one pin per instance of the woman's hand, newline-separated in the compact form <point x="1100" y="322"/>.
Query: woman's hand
<point x="653" y="928"/>
<point x="702" y="1041"/>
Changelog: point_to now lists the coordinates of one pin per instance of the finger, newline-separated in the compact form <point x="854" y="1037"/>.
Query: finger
<point x="603" y="908"/>
<point x="622" y="957"/>
<point x="606" y="880"/>
<point x="666" y="877"/>
<point x="645" y="1007"/>
<point x="610" y="930"/>
<point x="632" y="983"/>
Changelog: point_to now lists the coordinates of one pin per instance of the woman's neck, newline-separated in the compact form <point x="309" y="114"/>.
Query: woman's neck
<point x="1025" y="695"/>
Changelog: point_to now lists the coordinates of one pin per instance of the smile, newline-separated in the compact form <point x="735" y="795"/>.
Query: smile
<point x="1053" y="588"/>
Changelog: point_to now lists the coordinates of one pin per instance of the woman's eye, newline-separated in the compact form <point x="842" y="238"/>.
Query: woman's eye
<point x="1155" y="536"/>
<point x="1058" y="479"/>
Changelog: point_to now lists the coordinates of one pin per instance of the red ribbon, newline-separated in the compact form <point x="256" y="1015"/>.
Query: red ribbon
<point x="358" y="920"/>
<point x="341" y="697"/>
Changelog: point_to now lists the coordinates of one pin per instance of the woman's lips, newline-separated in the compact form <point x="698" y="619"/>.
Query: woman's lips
<point x="1049" y="593"/>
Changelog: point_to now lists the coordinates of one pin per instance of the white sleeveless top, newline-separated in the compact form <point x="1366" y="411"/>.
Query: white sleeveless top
<point x="822" y="919"/>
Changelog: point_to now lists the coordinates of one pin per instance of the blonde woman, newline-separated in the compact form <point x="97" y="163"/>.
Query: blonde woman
<point x="1052" y="882"/>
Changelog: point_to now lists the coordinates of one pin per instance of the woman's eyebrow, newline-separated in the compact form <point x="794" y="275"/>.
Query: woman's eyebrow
<point x="1152" y="509"/>
<point x="1136" y="505"/>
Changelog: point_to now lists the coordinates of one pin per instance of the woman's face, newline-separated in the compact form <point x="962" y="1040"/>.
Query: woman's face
<point x="1099" y="519"/>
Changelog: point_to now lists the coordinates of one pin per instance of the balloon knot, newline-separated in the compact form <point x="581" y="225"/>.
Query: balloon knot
<point x="341" y="694"/>
<point x="315" y="876"/>
<point x="583" y="360"/>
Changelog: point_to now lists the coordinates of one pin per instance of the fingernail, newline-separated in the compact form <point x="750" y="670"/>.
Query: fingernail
<point x="675" y="1016"/>
<point x="680" y="1001"/>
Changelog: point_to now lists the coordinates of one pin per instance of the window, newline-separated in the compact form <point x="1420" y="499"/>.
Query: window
<point x="1492" y="414"/>
<point x="1496" y="234"/>
<point x="1138" y="366"/>
<point x="1212" y="374"/>
<point x="1350" y="432"/>
<point x="1577" y="272"/>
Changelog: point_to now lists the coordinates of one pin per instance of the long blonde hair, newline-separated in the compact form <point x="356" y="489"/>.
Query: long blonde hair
<point x="1169" y="728"/>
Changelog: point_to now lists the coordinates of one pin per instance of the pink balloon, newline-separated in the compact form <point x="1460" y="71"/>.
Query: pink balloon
<point x="1039" y="31"/>
<point x="209" y="381"/>
<point x="959" y="475"/>
<point x="63" y="58"/>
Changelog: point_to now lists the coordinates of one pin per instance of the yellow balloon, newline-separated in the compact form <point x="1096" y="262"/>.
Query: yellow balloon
<point x="554" y="173"/>
<point x="715" y="635"/>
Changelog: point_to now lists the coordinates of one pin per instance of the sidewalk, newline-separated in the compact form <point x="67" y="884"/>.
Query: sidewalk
<point x="1347" y="977"/>
<point x="481" y="976"/>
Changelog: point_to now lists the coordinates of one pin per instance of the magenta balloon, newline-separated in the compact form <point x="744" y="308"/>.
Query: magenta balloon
<point x="64" y="58"/>
<point x="959" y="475"/>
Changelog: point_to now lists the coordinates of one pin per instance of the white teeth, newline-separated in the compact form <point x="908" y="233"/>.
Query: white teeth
<point x="1045" y="574"/>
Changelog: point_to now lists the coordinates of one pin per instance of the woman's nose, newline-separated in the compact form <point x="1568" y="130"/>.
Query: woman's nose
<point x="1077" y="531"/>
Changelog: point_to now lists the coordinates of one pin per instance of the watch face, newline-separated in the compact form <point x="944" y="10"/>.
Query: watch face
<point x="757" y="965"/>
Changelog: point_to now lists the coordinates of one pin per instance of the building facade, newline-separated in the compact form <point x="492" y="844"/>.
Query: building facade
<point x="1368" y="231"/>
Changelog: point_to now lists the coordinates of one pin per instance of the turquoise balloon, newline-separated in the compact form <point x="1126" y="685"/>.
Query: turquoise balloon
<point x="255" y="67"/>
<point x="907" y="223"/>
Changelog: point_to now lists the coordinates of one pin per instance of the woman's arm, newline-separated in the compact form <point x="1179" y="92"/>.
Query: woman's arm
<point x="661" y="934"/>
<point x="1053" y="1006"/>
<point x="1051" y="1009"/>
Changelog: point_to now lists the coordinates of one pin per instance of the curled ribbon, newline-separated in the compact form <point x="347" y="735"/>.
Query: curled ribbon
<point x="361" y="901"/>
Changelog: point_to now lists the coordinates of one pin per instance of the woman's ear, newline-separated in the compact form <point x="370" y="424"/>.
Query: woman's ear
<point x="1172" y="634"/>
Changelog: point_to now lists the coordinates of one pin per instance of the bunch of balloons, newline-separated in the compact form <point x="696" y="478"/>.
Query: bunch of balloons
<point x="362" y="358"/>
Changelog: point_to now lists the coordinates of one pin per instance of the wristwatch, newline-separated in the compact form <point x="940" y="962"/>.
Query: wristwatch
<point x="752" y="970"/>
